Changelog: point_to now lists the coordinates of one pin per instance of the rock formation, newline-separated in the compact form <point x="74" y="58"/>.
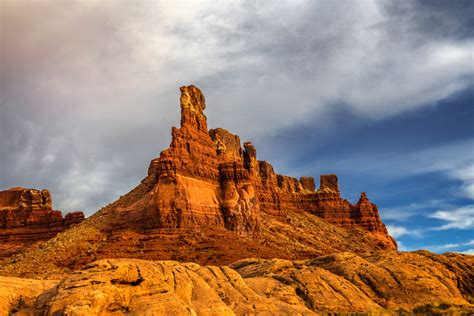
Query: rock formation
<point x="207" y="178"/>
<point x="27" y="216"/>
<point x="210" y="200"/>
<point x="382" y="283"/>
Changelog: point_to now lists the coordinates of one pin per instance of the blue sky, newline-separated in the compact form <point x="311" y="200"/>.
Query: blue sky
<point x="378" y="92"/>
<point x="417" y="167"/>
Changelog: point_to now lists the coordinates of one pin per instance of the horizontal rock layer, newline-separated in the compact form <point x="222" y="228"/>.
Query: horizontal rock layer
<point x="206" y="178"/>
<point x="27" y="217"/>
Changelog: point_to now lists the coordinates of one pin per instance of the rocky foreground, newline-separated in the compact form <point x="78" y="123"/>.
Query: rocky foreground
<point x="385" y="282"/>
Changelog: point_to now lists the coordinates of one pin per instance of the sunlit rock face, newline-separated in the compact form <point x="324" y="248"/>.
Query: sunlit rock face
<point x="207" y="178"/>
<point x="27" y="217"/>
<point x="344" y="283"/>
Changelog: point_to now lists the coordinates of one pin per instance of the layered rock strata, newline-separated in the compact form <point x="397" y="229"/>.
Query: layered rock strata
<point x="209" y="200"/>
<point x="206" y="178"/>
<point x="27" y="217"/>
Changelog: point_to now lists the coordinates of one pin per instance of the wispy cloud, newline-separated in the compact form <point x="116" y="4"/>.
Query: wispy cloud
<point x="466" y="175"/>
<point x="468" y="252"/>
<point x="396" y="231"/>
<point x="469" y="243"/>
<point x="459" y="218"/>
<point x="403" y="213"/>
<point x="401" y="246"/>
<point x="399" y="231"/>
<point x="452" y="160"/>
<point x="451" y="246"/>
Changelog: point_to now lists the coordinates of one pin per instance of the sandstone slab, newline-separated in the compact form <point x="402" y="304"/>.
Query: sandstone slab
<point x="384" y="283"/>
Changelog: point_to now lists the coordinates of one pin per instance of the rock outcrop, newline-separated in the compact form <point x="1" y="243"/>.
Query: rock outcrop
<point x="206" y="178"/>
<point x="27" y="217"/>
<point x="345" y="282"/>
<point x="21" y="294"/>
<point x="382" y="283"/>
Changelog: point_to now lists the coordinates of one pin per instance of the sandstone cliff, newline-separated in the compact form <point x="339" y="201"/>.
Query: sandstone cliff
<point x="206" y="178"/>
<point x="27" y="217"/>
<point x="383" y="283"/>
<point x="210" y="200"/>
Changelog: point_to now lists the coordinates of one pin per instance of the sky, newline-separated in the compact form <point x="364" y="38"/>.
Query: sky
<point x="378" y="92"/>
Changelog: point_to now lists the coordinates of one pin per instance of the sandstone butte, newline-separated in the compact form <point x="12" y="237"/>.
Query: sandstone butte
<point x="211" y="230"/>
<point x="27" y="217"/>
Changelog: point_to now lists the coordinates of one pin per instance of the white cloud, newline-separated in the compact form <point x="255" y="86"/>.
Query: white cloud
<point x="450" y="246"/>
<point x="400" y="215"/>
<point x="466" y="175"/>
<point x="314" y="54"/>
<point x="405" y="212"/>
<point x="467" y="190"/>
<point x="459" y="218"/>
<point x="468" y="252"/>
<point x="397" y="231"/>
<point x="459" y="168"/>
<point x="401" y="246"/>
<point x="454" y="160"/>
<point x="469" y="243"/>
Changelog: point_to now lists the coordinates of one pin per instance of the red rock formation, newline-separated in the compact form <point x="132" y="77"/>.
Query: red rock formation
<point x="308" y="183"/>
<point x="327" y="203"/>
<point x="208" y="200"/>
<point x="27" y="216"/>
<point x="201" y="180"/>
<point x="206" y="178"/>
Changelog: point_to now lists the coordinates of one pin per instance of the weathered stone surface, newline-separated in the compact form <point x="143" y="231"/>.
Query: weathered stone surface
<point x="345" y="282"/>
<point x="403" y="280"/>
<point x="381" y="283"/>
<point x="308" y="183"/>
<point x="207" y="178"/>
<point x="138" y="287"/>
<point x="25" y="199"/>
<point x="27" y="217"/>
<point x="19" y="295"/>
<point x="227" y="145"/>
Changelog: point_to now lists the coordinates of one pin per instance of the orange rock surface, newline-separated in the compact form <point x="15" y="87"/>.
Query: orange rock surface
<point x="206" y="178"/>
<point x="27" y="217"/>
<point x="384" y="283"/>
